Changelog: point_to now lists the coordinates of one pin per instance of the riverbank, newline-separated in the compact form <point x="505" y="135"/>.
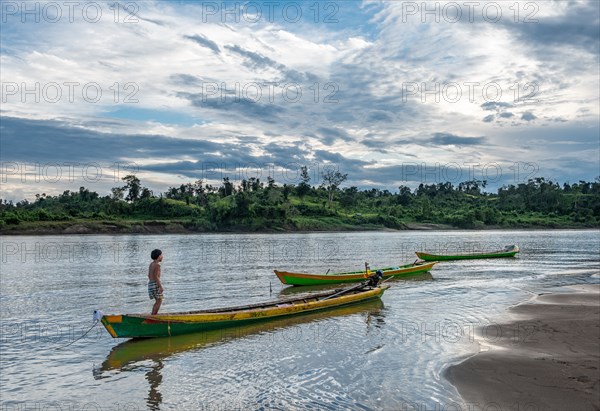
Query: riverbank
<point x="190" y="227"/>
<point x="547" y="357"/>
<point x="174" y="227"/>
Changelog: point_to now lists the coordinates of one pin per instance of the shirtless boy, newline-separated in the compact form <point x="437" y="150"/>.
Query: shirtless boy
<point x="155" y="290"/>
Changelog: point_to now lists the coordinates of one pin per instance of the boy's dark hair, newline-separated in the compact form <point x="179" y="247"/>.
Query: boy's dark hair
<point x="155" y="254"/>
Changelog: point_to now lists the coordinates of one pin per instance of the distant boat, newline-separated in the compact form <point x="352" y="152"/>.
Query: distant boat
<point x="165" y="325"/>
<point x="351" y="277"/>
<point x="509" y="251"/>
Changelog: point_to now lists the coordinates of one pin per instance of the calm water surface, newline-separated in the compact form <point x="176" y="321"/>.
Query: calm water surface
<point x="380" y="355"/>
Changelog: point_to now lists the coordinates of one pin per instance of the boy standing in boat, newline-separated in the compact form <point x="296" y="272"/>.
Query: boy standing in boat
<point x="155" y="290"/>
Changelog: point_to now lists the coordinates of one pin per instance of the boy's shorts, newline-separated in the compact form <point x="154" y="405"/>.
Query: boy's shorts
<point x="153" y="291"/>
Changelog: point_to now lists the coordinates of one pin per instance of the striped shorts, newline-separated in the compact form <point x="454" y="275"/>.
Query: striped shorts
<point x="153" y="291"/>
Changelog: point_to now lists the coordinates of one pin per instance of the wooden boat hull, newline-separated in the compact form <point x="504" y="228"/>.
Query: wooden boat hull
<point x="127" y="354"/>
<point x="437" y="257"/>
<point x="287" y="292"/>
<point x="164" y="325"/>
<point x="353" y="277"/>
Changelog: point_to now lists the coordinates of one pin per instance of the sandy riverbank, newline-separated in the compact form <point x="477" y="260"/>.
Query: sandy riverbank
<point x="548" y="357"/>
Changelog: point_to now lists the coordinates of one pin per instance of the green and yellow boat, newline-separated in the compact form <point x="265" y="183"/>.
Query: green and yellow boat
<point x="171" y="324"/>
<point x="128" y="354"/>
<point x="287" y="292"/>
<point x="509" y="251"/>
<point x="352" y="277"/>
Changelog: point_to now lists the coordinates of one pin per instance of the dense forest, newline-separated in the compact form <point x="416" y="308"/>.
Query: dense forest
<point x="254" y="205"/>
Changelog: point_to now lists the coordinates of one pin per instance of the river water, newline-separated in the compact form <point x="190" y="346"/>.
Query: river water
<point x="380" y="355"/>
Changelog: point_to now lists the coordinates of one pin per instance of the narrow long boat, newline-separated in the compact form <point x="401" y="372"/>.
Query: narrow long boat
<point x="351" y="277"/>
<point x="287" y="292"/>
<point x="509" y="251"/>
<point x="164" y="325"/>
<point x="131" y="353"/>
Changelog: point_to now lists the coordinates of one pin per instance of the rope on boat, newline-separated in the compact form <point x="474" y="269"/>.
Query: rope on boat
<point x="84" y="334"/>
<point x="97" y="318"/>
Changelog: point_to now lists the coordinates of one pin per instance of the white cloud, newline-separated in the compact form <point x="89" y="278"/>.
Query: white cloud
<point x="165" y="68"/>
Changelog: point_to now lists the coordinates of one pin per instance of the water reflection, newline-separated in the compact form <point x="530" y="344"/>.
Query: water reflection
<point x="154" y="378"/>
<point x="151" y="354"/>
<point x="375" y="319"/>
<point x="325" y="352"/>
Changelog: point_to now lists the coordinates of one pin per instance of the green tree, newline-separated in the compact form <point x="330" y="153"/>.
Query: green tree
<point x="133" y="188"/>
<point x="227" y="189"/>
<point x="331" y="181"/>
<point x="472" y="187"/>
<point x="303" y="188"/>
<point x="117" y="193"/>
<point x="404" y="196"/>
<point x="287" y="189"/>
<point x="349" y="196"/>
<point x="242" y="205"/>
<point x="146" y="194"/>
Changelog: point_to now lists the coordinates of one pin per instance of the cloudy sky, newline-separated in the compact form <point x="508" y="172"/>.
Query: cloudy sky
<point x="392" y="92"/>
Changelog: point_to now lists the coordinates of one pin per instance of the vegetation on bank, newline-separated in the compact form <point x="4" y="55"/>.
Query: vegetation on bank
<point x="258" y="206"/>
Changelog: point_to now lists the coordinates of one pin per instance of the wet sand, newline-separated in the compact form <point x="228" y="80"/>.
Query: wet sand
<point x="547" y="357"/>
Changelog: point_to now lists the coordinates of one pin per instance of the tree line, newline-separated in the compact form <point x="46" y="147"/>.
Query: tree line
<point x="255" y="205"/>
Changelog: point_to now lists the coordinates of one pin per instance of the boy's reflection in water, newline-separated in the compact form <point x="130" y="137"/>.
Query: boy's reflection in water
<point x="155" y="377"/>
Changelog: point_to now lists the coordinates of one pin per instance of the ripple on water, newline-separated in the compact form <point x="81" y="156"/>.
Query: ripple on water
<point x="382" y="357"/>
